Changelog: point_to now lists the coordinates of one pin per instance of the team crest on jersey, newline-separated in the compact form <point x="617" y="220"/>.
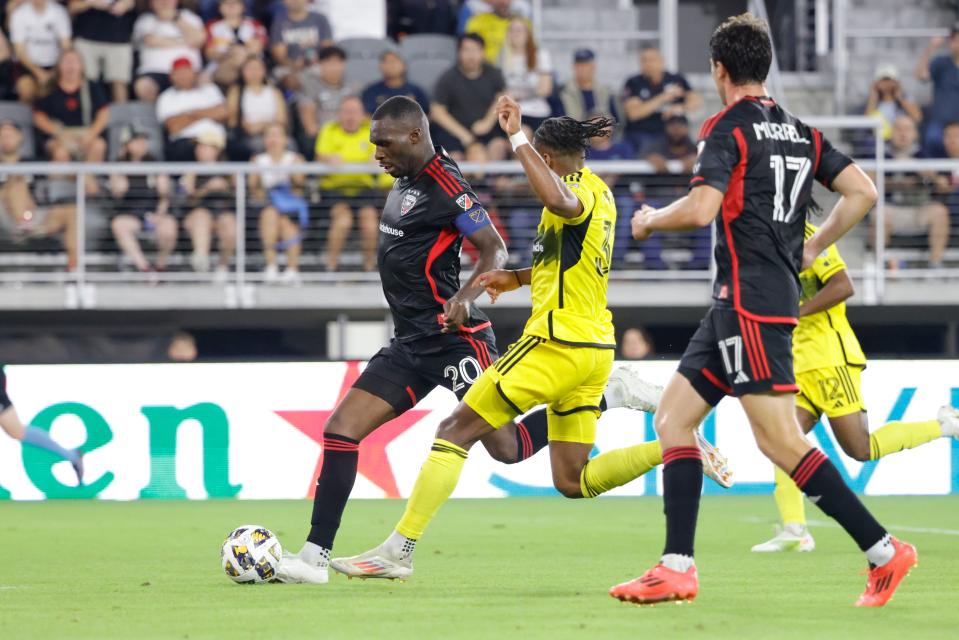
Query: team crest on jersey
<point x="409" y="201"/>
<point x="465" y="202"/>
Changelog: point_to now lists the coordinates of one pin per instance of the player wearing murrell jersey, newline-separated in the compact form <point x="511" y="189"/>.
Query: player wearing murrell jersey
<point x="754" y="177"/>
<point x="563" y="358"/>
<point x="828" y="365"/>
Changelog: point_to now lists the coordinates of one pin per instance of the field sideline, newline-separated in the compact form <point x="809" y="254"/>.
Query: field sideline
<point x="523" y="567"/>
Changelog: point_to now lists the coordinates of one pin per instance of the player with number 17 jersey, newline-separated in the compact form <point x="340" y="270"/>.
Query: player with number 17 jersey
<point x="765" y="160"/>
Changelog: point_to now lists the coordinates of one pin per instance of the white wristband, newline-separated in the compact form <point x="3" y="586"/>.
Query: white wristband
<point x="518" y="139"/>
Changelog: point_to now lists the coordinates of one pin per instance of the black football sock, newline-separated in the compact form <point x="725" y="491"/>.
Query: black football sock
<point x="820" y="481"/>
<point x="531" y="434"/>
<point x="682" y="486"/>
<point x="333" y="487"/>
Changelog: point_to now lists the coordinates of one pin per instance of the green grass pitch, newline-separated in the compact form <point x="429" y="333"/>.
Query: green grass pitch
<point x="530" y="568"/>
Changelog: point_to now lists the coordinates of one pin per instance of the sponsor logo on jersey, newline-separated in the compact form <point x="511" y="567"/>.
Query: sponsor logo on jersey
<point x="387" y="229"/>
<point x="409" y="201"/>
<point x="465" y="202"/>
<point x="778" y="131"/>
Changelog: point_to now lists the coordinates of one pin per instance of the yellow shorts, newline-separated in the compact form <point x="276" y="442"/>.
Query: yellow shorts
<point x="835" y="391"/>
<point x="534" y="371"/>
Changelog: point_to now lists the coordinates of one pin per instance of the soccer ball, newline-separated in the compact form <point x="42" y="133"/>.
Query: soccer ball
<point x="251" y="554"/>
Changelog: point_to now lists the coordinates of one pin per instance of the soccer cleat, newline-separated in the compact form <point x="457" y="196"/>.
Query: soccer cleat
<point x="659" y="584"/>
<point x="294" y="570"/>
<point x="882" y="581"/>
<point x="715" y="464"/>
<point x="949" y="421"/>
<point x="637" y="394"/>
<point x="380" y="562"/>
<point x="792" y="537"/>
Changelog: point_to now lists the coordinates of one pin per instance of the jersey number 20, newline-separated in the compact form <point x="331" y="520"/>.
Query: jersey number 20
<point x="799" y="167"/>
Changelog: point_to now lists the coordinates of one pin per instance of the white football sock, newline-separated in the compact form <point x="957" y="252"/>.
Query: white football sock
<point x="677" y="562"/>
<point x="400" y="545"/>
<point x="881" y="552"/>
<point x="314" y="554"/>
<point x="795" y="528"/>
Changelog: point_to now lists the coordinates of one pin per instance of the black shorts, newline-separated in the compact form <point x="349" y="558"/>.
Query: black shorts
<point x="730" y="355"/>
<point x="403" y="373"/>
<point x="5" y="401"/>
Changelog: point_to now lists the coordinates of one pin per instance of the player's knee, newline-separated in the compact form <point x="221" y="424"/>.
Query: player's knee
<point x="337" y="425"/>
<point x="569" y="487"/>
<point x="858" y="450"/>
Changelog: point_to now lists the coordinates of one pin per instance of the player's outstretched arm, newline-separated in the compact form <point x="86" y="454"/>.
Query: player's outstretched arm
<point x="838" y="288"/>
<point x="549" y="187"/>
<point x="492" y="255"/>
<point x="696" y="209"/>
<point x="858" y="197"/>
<point x="503" y="280"/>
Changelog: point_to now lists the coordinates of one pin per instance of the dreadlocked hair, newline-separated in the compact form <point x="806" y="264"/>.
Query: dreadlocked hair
<point x="568" y="136"/>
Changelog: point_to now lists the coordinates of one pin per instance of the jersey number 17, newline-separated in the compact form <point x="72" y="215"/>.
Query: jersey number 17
<point x="796" y="168"/>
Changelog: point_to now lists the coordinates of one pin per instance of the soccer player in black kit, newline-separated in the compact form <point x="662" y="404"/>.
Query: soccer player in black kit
<point x="754" y="177"/>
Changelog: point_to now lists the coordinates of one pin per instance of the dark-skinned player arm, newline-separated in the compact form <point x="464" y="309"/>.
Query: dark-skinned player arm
<point x="837" y="172"/>
<point x="476" y="226"/>
<point x="555" y="194"/>
<point x="838" y="288"/>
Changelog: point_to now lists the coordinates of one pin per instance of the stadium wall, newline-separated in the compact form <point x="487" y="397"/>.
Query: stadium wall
<point x="199" y="431"/>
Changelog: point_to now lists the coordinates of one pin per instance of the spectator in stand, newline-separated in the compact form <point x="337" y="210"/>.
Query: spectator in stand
<point x="394" y="83"/>
<point x="210" y="203"/>
<point x="943" y="70"/>
<point x="296" y="39"/>
<point x="253" y="105"/>
<point x="40" y="31"/>
<point x="231" y="40"/>
<point x="652" y="96"/>
<point x="464" y="102"/>
<point x="492" y="27"/>
<point x="887" y="99"/>
<point x="24" y="219"/>
<point x="584" y="97"/>
<point x="347" y="140"/>
<point x="322" y="94"/>
<point x="286" y="213"/>
<point x="102" y="33"/>
<point x="163" y="35"/>
<point x="946" y="185"/>
<point x="141" y="203"/>
<point x="675" y="145"/>
<point x="182" y="347"/>
<point x="528" y="71"/>
<point x="407" y="17"/>
<point x="636" y="344"/>
<point x="72" y="118"/>
<point x="909" y="210"/>
<point x="187" y="111"/>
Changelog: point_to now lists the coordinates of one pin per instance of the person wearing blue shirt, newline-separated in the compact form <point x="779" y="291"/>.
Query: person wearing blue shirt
<point x="943" y="71"/>
<point x="394" y="83"/>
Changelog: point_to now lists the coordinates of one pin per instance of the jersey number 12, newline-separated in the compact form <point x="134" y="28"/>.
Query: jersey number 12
<point x="799" y="167"/>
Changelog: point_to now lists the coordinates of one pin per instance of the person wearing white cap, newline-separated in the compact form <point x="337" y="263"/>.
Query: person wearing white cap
<point x="888" y="100"/>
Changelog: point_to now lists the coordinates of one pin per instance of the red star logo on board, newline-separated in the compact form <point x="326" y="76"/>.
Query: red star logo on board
<point x="373" y="462"/>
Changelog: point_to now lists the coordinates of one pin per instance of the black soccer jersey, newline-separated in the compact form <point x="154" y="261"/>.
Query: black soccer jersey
<point x="764" y="160"/>
<point x="421" y="232"/>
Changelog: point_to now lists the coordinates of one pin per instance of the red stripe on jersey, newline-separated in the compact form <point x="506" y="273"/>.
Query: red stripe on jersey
<point x="444" y="173"/>
<point x="409" y="390"/>
<point x="712" y="121"/>
<point x="477" y="328"/>
<point x="786" y="387"/>
<point x="696" y="179"/>
<point x="817" y="140"/>
<point x="750" y="350"/>
<point x="431" y="170"/>
<point x="732" y="209"/>
<point x="764" y="361"/>
<point x="443" y="242"/>
<point x="476" y="350"/>
<point x="716" y="381"/>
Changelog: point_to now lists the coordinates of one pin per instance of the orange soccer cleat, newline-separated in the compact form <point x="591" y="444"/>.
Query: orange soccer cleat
<point x="883" y="580"/>
<point x="659" y="584"/>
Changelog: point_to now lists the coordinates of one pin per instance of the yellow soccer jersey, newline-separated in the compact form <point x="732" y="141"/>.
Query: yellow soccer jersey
<point x="824" y="339"/>
<point x="355" y="147"/>
<point x="571" y="258"/>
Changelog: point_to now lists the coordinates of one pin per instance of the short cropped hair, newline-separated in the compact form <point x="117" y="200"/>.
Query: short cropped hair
<point x="475" y="37"/>
<point x="400" y="108"/>
<point x="742" y="44"/>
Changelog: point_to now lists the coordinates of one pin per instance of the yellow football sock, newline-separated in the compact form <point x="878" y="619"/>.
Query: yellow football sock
<point x="789" y="499"/>
<point x="437" y="479"/>
<point x="617" y="467"/>
<point x="896" y="436"/>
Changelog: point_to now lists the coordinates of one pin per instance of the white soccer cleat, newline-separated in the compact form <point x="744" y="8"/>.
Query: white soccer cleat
<point x="294" y="570"/>
<point x="949" y="421"/>
<point x="789" y="538"/>
<point x="380" y="562"/>
<point x="715" y="464"/>
<point x="637" y="394"/>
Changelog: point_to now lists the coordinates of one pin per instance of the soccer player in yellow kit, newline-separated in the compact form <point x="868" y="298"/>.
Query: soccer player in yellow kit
<point x="563" y="358"/>
<point x="828" y="362"/>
